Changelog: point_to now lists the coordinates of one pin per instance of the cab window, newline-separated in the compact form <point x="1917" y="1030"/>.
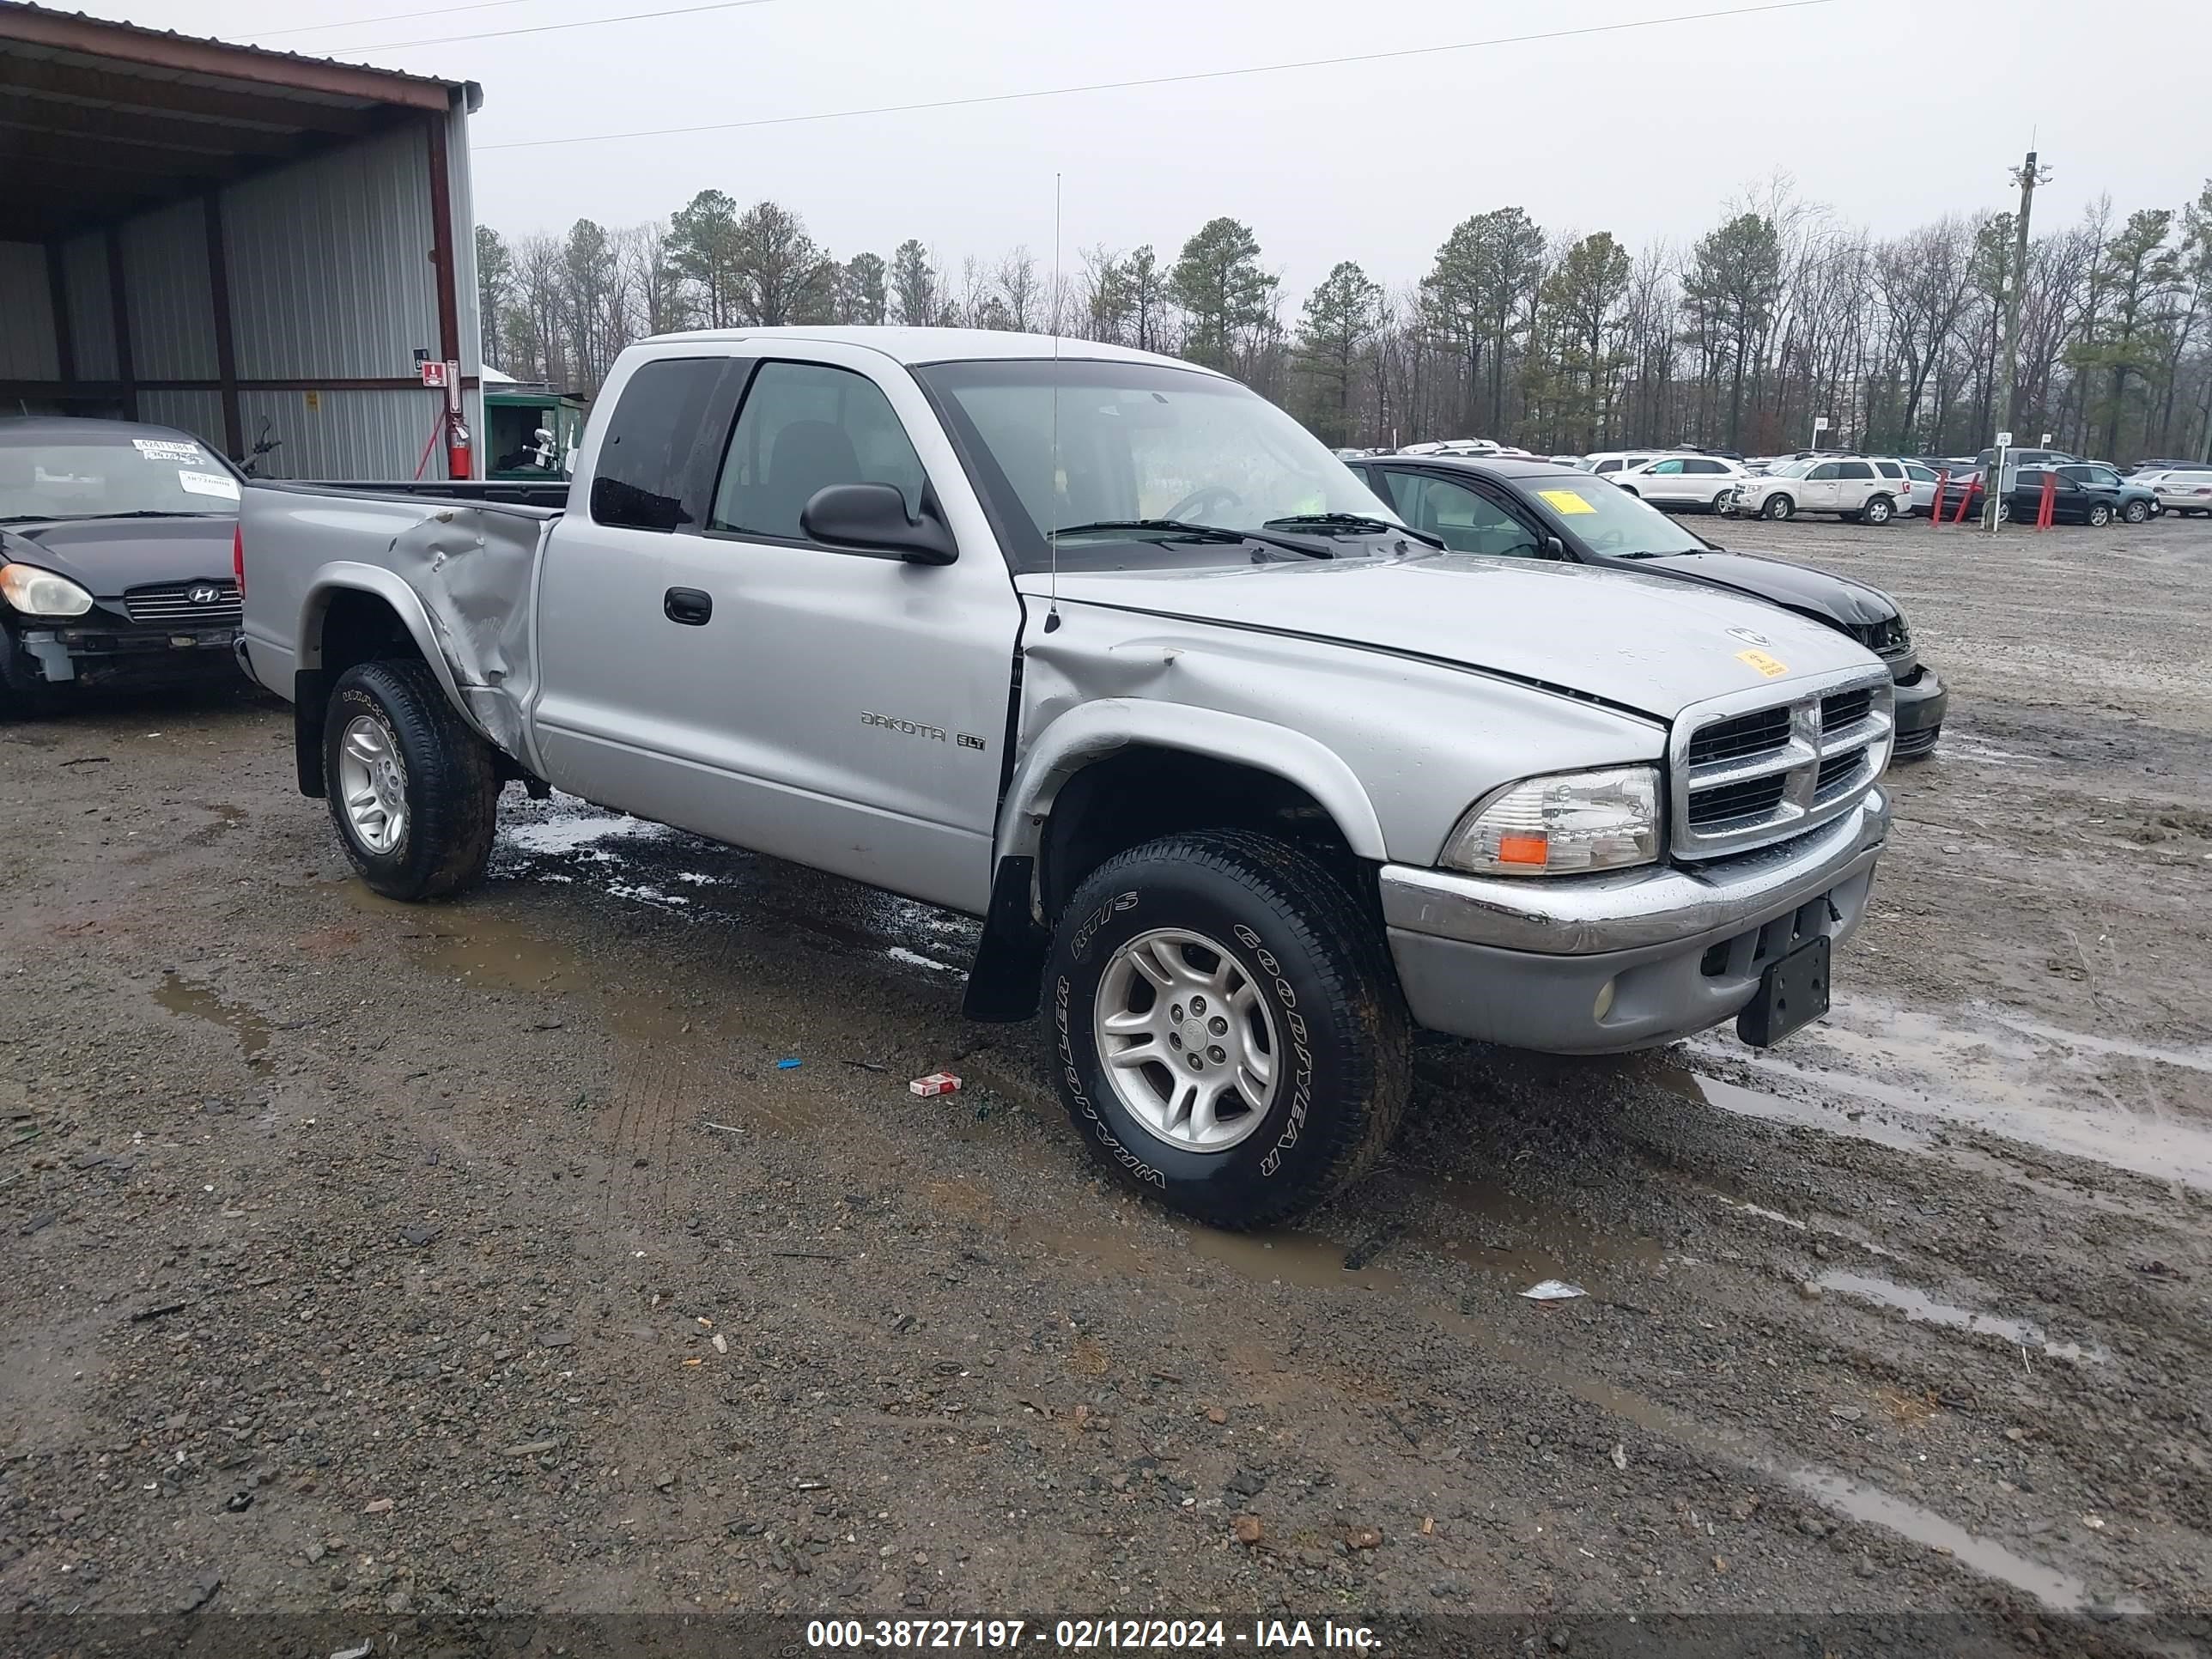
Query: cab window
<point x="1465" y="521"/>
<point x="1608" y="466"/>
<point x="805" y="427"/>
<point x="1665" y="469"/>
<point x="1824" y="473"/>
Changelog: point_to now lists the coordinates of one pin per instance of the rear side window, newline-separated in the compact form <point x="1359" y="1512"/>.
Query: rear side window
<point x="647" y="477"/>
<point x="805" y="427"/>
<point x="1706" y="468"/>
<point x="1889" y="469"/>
<point x="1853" y="470"/>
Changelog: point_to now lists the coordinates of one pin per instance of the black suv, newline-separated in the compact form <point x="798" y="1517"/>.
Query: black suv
<point x="1525" y="509"/>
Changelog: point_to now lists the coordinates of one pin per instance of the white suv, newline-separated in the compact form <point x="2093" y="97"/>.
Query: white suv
<point x="1703" y="481"/>
<point x="1852" y="487"/>
<point x="1610" y="463"/>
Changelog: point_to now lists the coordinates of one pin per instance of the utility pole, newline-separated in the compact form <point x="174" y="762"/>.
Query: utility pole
<point x="2027" y="175"/>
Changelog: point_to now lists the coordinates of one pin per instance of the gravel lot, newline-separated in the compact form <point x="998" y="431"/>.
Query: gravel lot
<point x="385" y="1262"/>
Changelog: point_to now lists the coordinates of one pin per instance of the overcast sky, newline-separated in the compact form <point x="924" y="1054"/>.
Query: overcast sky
<point x="1891" y="111"/>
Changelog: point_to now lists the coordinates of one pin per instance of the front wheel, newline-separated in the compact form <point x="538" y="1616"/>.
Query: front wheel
<point x="411" y="788"/>
<point x="2100" y="514"/>
<point x="1778" y="507"/>
<point x="2135" y="511"/>
<point x="1231" y="1037"/>
<point x="1877" y="511"/>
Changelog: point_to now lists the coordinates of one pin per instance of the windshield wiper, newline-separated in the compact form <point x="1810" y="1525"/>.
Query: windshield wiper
<point x="1359" y="522"/>
<point x="1179" y="530"/>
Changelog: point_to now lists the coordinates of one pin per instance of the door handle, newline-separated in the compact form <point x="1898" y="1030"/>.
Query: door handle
<point x="687" y="606"/>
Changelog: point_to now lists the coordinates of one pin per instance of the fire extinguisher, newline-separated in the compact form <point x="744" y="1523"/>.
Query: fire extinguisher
<point x="459" y="462"/>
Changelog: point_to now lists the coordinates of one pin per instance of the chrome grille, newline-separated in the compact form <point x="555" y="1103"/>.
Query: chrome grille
<point x="185" y="603"/>
<point x="1750" y="769"/>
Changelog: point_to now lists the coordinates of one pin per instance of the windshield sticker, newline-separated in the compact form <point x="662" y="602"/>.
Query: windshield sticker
<point x="169" y="449"/>
<point x="209" y="484"/>
<point x="1771" y="667"/>
<point x="1564" y="500"/>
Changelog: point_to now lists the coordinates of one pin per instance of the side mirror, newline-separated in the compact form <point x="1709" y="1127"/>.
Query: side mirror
<point x="871" y="519"/>
<point x="1554" y="548"/>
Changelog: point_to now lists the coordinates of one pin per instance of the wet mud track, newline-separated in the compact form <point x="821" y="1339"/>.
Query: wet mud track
<point x="397" y="1261"/>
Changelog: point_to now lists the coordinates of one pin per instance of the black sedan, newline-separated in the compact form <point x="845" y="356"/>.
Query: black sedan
<point x="2085" y="492"/>
<point x="115" y="558"/>
<point x="1523" y="509"/>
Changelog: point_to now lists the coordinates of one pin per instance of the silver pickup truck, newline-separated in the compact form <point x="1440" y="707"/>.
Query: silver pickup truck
<point x="1246" y="778"/>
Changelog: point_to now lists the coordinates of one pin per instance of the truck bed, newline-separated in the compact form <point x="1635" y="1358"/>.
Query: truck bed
<point x="456" y="573"/>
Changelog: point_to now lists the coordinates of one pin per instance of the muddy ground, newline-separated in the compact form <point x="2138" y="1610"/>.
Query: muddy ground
<point x="391" y="1263"/>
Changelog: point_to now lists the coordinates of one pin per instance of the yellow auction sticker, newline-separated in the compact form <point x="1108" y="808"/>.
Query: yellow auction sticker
<point x="1566" y="501"/>
<point x="1771" y="667"/>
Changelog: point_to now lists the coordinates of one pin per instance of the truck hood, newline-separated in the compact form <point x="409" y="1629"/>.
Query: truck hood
<point x="1837" y="600"/>
<point x="105" y="557"/>
<point x="1645" y="643"/>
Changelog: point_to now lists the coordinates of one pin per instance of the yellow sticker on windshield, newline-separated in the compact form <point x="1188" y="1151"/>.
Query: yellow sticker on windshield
<point x="1771" y="667"/>
<point x="1566" y="501"/>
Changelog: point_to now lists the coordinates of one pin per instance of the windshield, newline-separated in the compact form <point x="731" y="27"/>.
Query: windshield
<point x="1791" y="469"/>
<point x="111" y="477"/>
<point x="1139" y="442"/>
<point x="1607" y="520"/>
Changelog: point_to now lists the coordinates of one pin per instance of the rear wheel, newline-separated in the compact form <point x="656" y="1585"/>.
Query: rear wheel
<point x="1778" y="507"/>
<point x="411" y="788"/>
<point x="1721" y="502"/>
<point x="1230" y="1037"/>
<point x="2100" y="514"/>
<point x="1879" y="510"/>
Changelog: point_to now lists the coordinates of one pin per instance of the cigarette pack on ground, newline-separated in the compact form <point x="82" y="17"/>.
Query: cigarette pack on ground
<point x="937" y="1083"/>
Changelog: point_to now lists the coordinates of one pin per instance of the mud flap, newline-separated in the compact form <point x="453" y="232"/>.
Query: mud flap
<point x="1005" y="980"/>
<point x="311" y="696"/>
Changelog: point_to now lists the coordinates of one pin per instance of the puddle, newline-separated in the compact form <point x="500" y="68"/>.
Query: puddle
<point x="1781" y="1109"/>
<point x="569" y="826"/>
<point x="2060" y="1591"/>
<point x="195" y="999"/>
<point x="1923" y="1309"/>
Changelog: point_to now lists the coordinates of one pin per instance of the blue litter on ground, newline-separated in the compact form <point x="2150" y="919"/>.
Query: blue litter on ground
<point x="786" y="1065"/>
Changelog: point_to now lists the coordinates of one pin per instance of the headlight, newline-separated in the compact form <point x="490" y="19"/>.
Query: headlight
<point x="1563" y="825"/>
<point x="36" y="593"/>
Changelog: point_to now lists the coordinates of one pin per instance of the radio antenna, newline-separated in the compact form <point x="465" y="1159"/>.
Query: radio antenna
<point x="1052" y="478"/>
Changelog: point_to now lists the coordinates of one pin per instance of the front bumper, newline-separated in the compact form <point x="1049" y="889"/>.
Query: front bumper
<point x="1921" y="706"/>
<point x="1524" y="963"/>
<point x="96" y="653"/>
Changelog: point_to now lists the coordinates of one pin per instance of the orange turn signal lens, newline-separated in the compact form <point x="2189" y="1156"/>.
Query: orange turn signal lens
<point x="1523" y="849"/>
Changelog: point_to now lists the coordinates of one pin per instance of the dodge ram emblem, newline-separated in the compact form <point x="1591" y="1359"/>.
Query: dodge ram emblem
<point x="204" y="593"/>
<point x="1749" y="636"/>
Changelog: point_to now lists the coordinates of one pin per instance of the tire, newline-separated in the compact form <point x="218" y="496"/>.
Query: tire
<point x="390" y="725"/>
<point x="2100" y="514"/>
<point x="2135" y="511"/>
<point x="1721" y="502"/>
<point x="1314" y="998"/>
<point x="1879" y="510"/>
<point x="1777" y="508"/>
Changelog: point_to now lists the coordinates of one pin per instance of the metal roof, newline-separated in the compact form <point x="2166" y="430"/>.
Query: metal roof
<point x="100" y="120"/>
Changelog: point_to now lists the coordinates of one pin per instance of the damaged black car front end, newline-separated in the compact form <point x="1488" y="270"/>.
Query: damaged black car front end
<point x="117" y="546"/>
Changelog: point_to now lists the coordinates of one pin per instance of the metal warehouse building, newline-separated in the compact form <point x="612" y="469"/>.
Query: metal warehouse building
<point x="249" y="245"/>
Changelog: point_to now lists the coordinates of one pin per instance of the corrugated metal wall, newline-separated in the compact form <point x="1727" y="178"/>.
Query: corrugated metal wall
<point x="330" y="268"/>
<point x="165" y="280"/>
<point x="91" y="309"/>
<point x="26" y="314"/>
<point x="342" y="434"/>
<point x="330" y="276"/>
